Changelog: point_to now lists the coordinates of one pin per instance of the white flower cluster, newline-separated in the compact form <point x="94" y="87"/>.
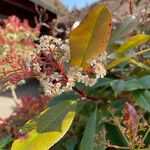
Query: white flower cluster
<point x="50" y="88"/>
<point x="60" y="48"/>
<point x="54" y="84"/>
<point x="75" y="74"/>
<point x="98" y="66"/>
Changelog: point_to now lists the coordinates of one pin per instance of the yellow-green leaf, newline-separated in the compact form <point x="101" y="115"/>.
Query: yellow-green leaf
<point x="139" y="64"/>
<point x="48" y="128"/>
<point x="123" y="59"/>
<point x="114" y="46"/>
<point x="132" y="42"/>
<point x="90" y="38"/>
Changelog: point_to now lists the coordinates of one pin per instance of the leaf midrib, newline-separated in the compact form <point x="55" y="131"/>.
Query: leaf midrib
<point x="58" y="115"/>
<point x="96" y="20"/>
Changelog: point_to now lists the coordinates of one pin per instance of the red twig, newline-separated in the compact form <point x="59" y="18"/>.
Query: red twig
<point x="81" y="92"/>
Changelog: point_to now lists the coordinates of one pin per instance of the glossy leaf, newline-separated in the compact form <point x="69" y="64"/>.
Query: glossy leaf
<point x="139" y="64"/>
<point x="118" y="105"/>
<point x="101" y="146"/>
<point x="118" y="86"/>
<point x="71" y="142"/>
<point x="120" y="60"/>
<point x="125" y="27"/>
<point x="5" y="141"/>
<point x="132" y="42"/>
<point x="130" y="85"/>
<point x="102" y="82"/>
<point x="142" y="98"/>
<point x="90" y="38"/>
<point x="115" y="46"/>
<point x="131" y="119"/>
<point x="88" y="137"/>
<point x="48" y="128"/>
<point x="115" y="135"/>
<point x="145" y="81"/>
<point x="63" y="97"/>
<point x="100" y="128"/>
<point x="117" y="62"/>
<point x="121" y="85"/>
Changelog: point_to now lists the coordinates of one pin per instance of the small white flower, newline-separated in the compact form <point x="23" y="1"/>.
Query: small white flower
<point x="36" y="67"/>
<point x="57" y="41"/>
<point x="99" y="70"/>
<point x="92" y="81"/>
<point x="55" y="76"/>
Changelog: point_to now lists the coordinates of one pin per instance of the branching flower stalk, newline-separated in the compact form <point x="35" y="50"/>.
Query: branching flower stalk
<point x="117" y="123"/>
<point x="50" y="65"/>
<point x="129" y="126"/>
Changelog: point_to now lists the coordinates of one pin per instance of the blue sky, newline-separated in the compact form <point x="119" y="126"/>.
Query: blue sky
<point x="78" y="3"/>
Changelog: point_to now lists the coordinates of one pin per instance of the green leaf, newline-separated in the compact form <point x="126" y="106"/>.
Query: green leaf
<point x="125" y="27"/>
<point x="139" y="64"/>
<point x="90" y="38"/>
<point x="114" y="46"/>
<point x="132" y="42"/>
<point x="118" y="86"/>
<point x="123" y="59"/>
<point x="142" y="98"/>
<point x="87" y="108"/>
<point x="137" y="2"/>
<point x="16" y="122"/>
<point x="118" y="105"/>
<point x="100" y="146"/>
<point x="102" y="82"/>
<point x="114" y="135"/>
<point x="71" y="143"/>
<point x="63" y="97"/>
<point x="88" y="137"/>
<point x="59" y="144"/>
<point x="5" y="141"/>
<point x="145" y="81"/>
<point x="47" y="128"/>
<point x="130" y="85"/>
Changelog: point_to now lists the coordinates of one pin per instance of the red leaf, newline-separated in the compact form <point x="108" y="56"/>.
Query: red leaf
<point x="131" y="119"/>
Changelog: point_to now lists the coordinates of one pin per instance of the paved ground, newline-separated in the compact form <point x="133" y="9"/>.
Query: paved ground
<point x="6" y="101"/>
<point x="6" y="106"/>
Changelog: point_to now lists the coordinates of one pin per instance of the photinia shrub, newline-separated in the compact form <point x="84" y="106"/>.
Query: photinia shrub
<point x="17" y="36"/>
<point x="16" y="44"/>
<point x="107" y="95"/>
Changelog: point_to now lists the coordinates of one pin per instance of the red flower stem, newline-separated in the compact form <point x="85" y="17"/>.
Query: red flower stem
<point x="118" y="147"/>
<point x="62" y="72"/>
<point x="84" y="94"/>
